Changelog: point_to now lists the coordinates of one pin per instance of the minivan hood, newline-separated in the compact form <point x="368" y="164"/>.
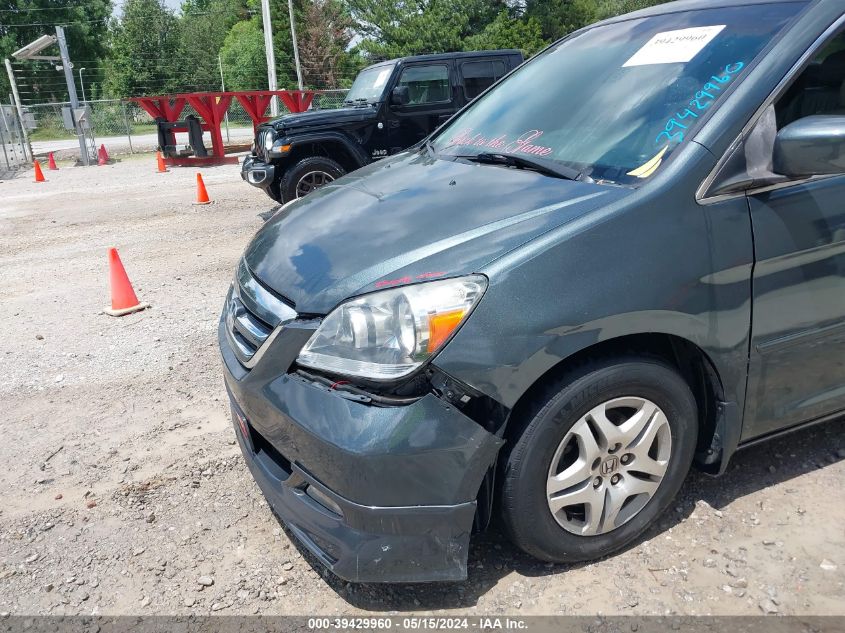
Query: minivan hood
<point x="406" y="219"/>
<point x="315" y="118"/>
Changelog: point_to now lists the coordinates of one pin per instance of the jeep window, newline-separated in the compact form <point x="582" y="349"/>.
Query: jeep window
<point x="615" y="101"/>
<point x="369" y="85"/>
<point x="426" y="84"/>
<point x="480" y="75"/>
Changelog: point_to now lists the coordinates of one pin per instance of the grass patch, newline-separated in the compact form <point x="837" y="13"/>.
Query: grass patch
<point x="58" y="134"/>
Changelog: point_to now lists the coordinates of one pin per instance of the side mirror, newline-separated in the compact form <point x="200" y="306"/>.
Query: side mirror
<point x="400" y="96"/>
<point x="812" y="146"/>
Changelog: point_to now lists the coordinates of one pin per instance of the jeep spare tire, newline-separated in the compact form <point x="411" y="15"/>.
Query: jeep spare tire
<point x="309" y="174"/>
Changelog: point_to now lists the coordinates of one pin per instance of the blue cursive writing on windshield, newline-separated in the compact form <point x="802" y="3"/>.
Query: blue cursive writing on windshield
<point x="673" y="131"/>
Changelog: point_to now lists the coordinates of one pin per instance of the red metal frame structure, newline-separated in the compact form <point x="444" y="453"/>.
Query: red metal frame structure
<point x="212" y="106"/>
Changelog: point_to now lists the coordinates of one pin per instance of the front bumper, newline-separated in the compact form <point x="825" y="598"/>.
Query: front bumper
<point x="258" y="173"/>
<point x="377" y="494"/>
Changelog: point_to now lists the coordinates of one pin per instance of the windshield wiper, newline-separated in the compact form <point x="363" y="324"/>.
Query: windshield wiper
<point x="427" y="146"/>
<point x="358" y="100"/>
<point x="547" y="167"/>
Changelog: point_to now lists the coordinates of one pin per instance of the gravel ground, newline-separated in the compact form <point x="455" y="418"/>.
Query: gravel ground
<point x="124" y="492"/>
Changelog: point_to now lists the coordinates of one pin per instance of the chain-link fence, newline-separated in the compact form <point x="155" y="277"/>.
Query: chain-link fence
<point x="126" y="127"/>
<point x="328" y="99"/>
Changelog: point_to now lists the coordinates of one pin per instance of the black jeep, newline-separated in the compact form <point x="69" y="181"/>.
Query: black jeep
<point x="391" y="106"/>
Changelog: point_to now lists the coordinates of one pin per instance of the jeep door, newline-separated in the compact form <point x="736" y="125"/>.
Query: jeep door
<point x="797" y="370"/>
<point x="431" y="101"/>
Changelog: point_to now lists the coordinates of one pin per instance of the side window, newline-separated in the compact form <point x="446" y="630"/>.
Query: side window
<point x="820" y="89"/>
<point x="426" y="84"/>
<point x="478" y="76"/>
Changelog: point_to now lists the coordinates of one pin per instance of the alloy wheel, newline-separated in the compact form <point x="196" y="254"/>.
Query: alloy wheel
<point x="608" y="466"/>
<point x="311" y="181"/>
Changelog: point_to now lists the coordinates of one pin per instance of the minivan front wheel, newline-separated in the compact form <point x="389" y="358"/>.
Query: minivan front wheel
<point x="309" y="174"/>
<point x="604" y="452"/>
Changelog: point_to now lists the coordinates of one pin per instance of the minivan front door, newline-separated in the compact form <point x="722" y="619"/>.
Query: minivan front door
<point x="797" y="370"/>
<point x="430" y="103"/>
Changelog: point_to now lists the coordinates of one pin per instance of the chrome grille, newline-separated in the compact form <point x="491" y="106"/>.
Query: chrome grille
<point x="254" y="317"/>
<point x="246" y="332"/>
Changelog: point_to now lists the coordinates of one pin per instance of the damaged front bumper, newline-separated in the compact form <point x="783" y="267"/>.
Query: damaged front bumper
<point x="376" y="493"/>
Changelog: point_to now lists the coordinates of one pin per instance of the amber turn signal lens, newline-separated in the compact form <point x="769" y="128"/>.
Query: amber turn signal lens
<point x="441" y="326"/>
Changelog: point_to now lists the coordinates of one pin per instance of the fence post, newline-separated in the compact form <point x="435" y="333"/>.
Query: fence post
<point x="3" y="143"/>
<point x="128" y="129"/>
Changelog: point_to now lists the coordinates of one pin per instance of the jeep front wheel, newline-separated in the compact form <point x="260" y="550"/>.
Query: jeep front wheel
<point x="309" y="174"/>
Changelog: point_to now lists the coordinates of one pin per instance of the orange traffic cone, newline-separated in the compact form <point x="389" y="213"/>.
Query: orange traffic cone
<point x="39" y="175"/>
<point x="123" y="299"/>
<point x="162" y="168"/>
<point x="102" y="156"/>
<point x="202" y="194"/>
<point x="51" y="162"/>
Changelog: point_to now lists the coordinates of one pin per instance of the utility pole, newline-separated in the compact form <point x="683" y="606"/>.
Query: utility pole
<point x="19" y="108"/>
<point x="295" y="47"/>
<point x="71" y="90"/>
<point x="271" y="56"/>
<point x="223" y="89"/>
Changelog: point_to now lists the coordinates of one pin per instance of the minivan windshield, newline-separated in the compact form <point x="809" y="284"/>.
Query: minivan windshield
<point x="369" y="84"/>
<point x="613" y="102"/>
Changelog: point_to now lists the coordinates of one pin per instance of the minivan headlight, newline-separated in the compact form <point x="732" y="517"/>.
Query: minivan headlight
<point x="388" y="334"/>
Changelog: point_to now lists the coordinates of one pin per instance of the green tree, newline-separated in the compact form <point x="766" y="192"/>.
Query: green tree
<point x="323" y="42"/>
<point x="610" y="8"/>
<point x="86" y="28"/>
<point x="508" y="32"/>
<point x="560" y="17"/>
<point x="243" y="57"/>
<point x="395" y="29"/>
<point x="282" y="43"/>
<point x="203" y="26"/>
<point x="144" y="57"/>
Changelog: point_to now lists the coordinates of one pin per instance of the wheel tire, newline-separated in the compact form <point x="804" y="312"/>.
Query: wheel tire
<point x="525" y="509"/>
<point x="274" y="192"/>
<point x="290" y="181"/>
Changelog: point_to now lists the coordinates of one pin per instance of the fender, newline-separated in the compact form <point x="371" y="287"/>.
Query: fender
<point x="354" y="149"/>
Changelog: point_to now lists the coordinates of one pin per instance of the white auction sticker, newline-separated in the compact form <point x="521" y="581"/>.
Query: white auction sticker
<point x="671" y="47"/>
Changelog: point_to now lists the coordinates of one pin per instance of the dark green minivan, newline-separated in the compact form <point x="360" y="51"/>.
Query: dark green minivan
<point x="624" y="258"/>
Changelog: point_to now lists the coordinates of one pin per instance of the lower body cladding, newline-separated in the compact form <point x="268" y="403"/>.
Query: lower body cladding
<point x="258" y="173"/>
<point x="376" y="493"/>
